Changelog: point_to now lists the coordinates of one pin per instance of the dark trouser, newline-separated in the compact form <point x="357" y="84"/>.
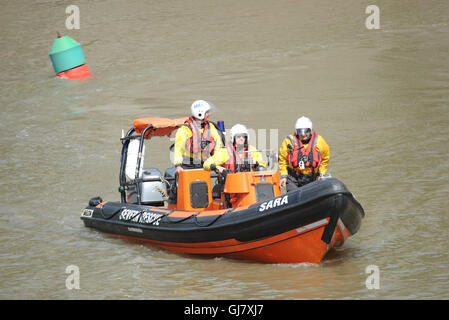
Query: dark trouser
<point x="296" y="180"/>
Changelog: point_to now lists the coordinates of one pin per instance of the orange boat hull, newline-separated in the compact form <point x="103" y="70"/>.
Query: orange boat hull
<point x="295" y="246"/>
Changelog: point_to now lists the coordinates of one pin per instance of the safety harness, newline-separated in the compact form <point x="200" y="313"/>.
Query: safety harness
<point x="235" y="162"/>
<point x="201" y="145"/>
<point x="302" y="158"/>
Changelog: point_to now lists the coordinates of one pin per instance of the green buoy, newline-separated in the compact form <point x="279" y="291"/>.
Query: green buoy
<point x="66" y="54"/>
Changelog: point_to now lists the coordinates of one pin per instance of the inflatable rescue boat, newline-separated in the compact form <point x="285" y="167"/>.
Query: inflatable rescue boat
<point x="243" y="215"/>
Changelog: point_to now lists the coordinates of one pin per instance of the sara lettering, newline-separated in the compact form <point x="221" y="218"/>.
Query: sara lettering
<point x="273" y="203"/>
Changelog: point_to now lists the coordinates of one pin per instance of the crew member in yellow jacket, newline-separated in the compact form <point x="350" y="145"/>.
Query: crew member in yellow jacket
<point x="197" y="139"/>
<point x="303" y="156"/>
<point x="238" y="155"/>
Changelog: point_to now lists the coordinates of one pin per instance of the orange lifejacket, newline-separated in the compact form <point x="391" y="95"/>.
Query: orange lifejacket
<point x="201" y="145"/>
<point x="303" y="158"/>
<point x="235" y="162"/>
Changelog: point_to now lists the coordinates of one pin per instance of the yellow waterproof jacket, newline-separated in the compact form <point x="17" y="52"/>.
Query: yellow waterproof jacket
<point x="221" y="156"/>
<point x="322" y="147"/>
<point x="183" y="134"/>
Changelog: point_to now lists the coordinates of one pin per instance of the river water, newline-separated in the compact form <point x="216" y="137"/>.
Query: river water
<point x="379" y="97"/>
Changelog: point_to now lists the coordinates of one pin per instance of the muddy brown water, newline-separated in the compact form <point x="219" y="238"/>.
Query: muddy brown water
<point x="379" y="97"/>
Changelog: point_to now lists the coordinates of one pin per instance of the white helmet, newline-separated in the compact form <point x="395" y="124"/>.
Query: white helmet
<point x="199" y="108"/>
<point x="303" y="123"/>
<point x="238" y="129"/>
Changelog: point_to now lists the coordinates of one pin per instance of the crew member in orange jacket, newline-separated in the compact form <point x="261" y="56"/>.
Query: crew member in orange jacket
<point x="303" y="156"/>
<point x="238" y="155"/>
<point x="197" y="139"/>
